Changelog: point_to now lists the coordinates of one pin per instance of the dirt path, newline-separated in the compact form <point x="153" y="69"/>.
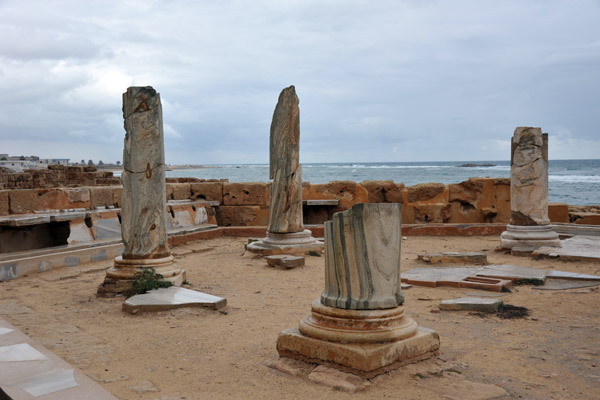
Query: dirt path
<point x="201" y="354"/>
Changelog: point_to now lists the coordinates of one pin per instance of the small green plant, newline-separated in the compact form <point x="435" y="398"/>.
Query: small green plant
<point x="314" y="254"/>
<point x="146" y="280"/>
<point x="529" y="281"/>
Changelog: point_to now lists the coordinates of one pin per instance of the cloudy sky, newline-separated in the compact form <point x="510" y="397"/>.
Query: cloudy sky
<point x="378" y="80"/>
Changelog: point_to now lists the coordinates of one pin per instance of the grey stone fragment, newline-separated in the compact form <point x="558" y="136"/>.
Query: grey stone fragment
<point x="340" y="380"/>
<point x="471" y="304"/>
<point x="577" y="248"/>
<point x="8" y="272"/>
<point x="564" y="284"/>
<point x="512" y="272"/>
<point x="171" y="298"/>
<point x="362" y="258"/>
<point x="285" y="261"/>
<point x="572" y="275"/>
<point x="285" y="206"/>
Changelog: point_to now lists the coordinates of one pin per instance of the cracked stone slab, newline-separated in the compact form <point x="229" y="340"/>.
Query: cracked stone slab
<point x="337" y="379"/>
<point x="564" y="284"/>
<point x="471" y="304"/>
<point x="170" y="298"/>
<point x="572" y="275"/>
<point x="577" y="248"/>
<point x="448" y="257"/>
<point x="46" y="383"/>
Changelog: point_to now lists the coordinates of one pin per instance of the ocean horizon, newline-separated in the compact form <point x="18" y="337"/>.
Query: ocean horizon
<point x="575" y="182"/>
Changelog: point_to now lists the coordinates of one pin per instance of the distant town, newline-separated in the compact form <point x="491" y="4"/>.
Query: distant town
<point x="22" y="163"/>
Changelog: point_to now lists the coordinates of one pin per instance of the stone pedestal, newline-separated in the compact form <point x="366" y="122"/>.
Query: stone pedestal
<point x="286" y="243"/>
<point x="358" y="324"/>
<point x="143" y="211"/>
<point x="529" y="226"/>
<point x="285" y="233"/>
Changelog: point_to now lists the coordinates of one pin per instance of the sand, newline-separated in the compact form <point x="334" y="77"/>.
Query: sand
<point x="206" y="354"/>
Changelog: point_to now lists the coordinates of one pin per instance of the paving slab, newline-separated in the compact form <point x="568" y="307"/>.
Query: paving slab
<point x="471" y="304"/>
<point x="564" y="284"/>
<point x="48" y="382"/>
<point x="512" y="272"/>
<point x="28" y="370"/>
<point x="449" y="257"/>
<point x="577" y="248"/>
<point x="460" y="277"/>
<point x="170" y="298"/>
<point x="572" y="275"/>
<point x="285" y="261"/>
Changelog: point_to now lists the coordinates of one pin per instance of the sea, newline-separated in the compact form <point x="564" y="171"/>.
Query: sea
<point x="575" y="182"/>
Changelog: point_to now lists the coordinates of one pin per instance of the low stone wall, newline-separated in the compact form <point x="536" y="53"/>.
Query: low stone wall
<point x="57" y="176"/>
<point x="477" y="200"/>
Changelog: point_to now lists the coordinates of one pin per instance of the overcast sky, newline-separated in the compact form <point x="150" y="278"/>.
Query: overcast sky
<point x="377" y="80"/>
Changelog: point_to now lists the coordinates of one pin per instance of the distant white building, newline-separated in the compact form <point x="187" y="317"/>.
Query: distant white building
<point x="21" y="163"/>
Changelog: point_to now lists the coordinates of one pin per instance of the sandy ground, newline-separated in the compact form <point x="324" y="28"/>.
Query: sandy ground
<point x="204" y="354"/>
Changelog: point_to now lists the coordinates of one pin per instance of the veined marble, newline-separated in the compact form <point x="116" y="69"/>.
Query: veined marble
<point x="362" y="258"/>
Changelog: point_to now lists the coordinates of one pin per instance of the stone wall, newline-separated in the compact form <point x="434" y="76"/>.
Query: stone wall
<point x="477" y="200"/>
<point x="57" y="176"/>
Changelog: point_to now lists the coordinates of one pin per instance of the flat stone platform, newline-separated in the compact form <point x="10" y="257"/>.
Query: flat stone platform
<point x="577" y="248"/>
<point x="28" y="371"/>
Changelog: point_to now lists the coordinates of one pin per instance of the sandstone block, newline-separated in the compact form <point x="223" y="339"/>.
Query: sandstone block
<point x="4" y="204"/>
<point x="468" y="191"/>
<point x="427" y="192"/>
<point x="558" y="212"/>
<point x="101" y="196"/>
<point x="588" y="219"/>
<point x="180" y="191"/>
<point x="383" y="191"/>
<point x="245" y="194"/>
<point x="23" y="201"/>
<point x="117" y="192"/>
<point x="79" y="196"/>
<point x="211" y="191"/>
<point x="347" y="192"/>
<point x="426" y="213"/>
<point x="238" y="215"/>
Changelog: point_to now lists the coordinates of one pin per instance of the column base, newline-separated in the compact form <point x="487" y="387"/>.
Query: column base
<point x="119" y="278"/>
<point x="286" y="243"/>
<point x="529" y="237"/>
<point x="363" y="342"/>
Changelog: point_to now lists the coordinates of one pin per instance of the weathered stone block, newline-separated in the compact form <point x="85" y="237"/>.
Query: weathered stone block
<point x="238" y="215"/>
<point x="383" y="191"/>
<point x="210" y="191"/>
<point x="117" y="193"/>
<point x="245" y="193"/>
<point x="101" y="196"/>
<point x="558" y="212"/>
<point x="347" y="192"/>
<point x="180" y="191"/>
<point x="467" y="191"/>
<point x="79" y="196"/>
<point x="426" y="213"/>
<point x="262" y="216"/>
<point x="23" y="201"/>
<point x="4" y="203"/>
<point x="427" y="192"/>
<point x="588" y="219"/>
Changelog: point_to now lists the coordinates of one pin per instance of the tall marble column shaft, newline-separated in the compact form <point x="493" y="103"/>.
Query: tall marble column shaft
<point x="529" y="225"/>
<point x="359" y="323"/>
<point x="285" y="233"/>
<point x="285" y="206"/>
<point x="143" y="202"/>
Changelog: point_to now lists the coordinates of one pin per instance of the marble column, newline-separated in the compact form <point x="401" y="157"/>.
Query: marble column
<point x="285" y="233"/>
<point x="358" y="323"/>
<point x="529" y="226"/>
<point x="143" y="210"/>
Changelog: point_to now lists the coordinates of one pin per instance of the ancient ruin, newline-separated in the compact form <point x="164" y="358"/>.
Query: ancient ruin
<point x="358" y="324"/>
<point x="285" y="232"/>
<point x="529" y="227"/>
<point x="143" y="215"/>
